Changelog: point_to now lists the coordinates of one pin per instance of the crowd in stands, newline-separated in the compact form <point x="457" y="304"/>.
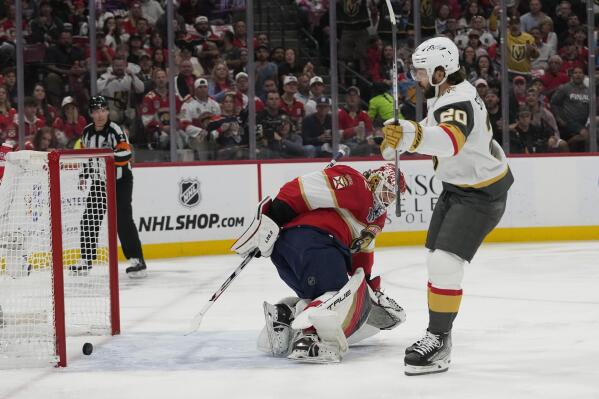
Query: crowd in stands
<point x="547" y="63"/>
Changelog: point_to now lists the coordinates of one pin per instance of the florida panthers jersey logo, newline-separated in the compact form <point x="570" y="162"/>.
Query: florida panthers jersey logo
<point x="375" y="211"/>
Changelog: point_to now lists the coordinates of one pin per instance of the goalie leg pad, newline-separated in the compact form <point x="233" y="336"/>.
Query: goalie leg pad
<point x="328" y="345"/>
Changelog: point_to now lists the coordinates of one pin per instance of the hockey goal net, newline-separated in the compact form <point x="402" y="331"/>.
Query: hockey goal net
<point x="57" y="211"/>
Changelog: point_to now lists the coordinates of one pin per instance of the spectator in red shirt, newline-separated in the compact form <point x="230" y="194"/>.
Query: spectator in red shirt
<point x="135" y="13"/>
<point x="68" y="126"/>
<point x="32" y="122"/>
<point x="7" y="112"/>
<point x="240" y="32"/>
<point x="289" y="104"/>
<point x="104" y="54"/>
<point x="554" y="76"/>
<point x="572" y="56"/>
<point x="355" y="125"/>
<point x="155" y="113"/>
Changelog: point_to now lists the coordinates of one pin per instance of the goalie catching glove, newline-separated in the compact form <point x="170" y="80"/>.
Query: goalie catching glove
<point x="261" y="234"/>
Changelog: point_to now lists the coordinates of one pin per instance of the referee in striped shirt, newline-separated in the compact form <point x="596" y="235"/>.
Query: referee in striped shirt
<point x="103" y="133"/>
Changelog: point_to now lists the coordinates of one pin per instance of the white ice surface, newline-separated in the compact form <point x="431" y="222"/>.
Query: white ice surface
<point x="528" y="328"/>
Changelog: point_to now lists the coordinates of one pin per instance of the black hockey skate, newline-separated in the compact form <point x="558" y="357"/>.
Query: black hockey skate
<point x="137" y="269"/>
<point x="278" y="327"/>
<point x="431" y="354"/>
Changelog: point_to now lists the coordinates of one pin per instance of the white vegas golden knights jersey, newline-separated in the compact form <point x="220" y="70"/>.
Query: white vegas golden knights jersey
<point x="479" y="165"/>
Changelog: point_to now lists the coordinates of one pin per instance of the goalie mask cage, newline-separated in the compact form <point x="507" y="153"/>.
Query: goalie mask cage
<point x="57" y="209"/>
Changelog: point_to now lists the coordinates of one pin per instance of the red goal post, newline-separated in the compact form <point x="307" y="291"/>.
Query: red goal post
<point x="57" y="209"/>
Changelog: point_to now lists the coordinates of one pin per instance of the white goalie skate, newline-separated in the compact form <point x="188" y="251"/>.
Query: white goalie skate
<point x="278" y="327"/>
<point x="310" y="348"/>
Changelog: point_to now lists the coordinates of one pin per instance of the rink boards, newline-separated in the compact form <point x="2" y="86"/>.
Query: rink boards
<point x="193" y="209"/>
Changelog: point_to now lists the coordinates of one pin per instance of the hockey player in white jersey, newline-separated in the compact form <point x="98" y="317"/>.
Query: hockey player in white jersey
<point x="476" y="178"/>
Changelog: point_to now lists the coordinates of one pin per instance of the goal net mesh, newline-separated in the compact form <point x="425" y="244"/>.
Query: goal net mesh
<point x="27" y="312"/>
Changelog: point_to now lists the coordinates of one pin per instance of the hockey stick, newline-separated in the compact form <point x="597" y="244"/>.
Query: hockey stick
<point x="197" y="320"/>
<point x="395" y="107"/>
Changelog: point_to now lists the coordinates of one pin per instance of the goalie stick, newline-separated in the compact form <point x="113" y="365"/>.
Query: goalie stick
<point x="197" y="320"/>
<point x="395" y="106"/>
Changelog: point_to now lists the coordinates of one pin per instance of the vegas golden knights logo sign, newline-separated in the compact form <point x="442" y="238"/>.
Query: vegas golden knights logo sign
<point x="189" y="192"/>
<point x="518" y="52"/>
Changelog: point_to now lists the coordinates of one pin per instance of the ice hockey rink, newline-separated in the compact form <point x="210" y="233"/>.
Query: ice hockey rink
<point x="527" y="329"/>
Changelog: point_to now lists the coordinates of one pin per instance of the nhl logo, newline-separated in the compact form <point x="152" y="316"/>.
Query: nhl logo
<point x="189" y="192"/>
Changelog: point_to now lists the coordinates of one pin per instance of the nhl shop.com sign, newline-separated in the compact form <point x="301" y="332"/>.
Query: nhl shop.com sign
<point x="189" y="192"/>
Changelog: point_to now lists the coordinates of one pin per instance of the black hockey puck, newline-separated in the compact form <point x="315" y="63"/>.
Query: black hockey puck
<point x="88" y="348"/>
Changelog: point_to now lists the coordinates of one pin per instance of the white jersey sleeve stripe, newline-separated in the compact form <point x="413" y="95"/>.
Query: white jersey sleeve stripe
<point x="317" y="192"/>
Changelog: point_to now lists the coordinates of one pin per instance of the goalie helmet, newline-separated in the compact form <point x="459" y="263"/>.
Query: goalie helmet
<point x="382" y="183"/>
<point x="434" y="53"/>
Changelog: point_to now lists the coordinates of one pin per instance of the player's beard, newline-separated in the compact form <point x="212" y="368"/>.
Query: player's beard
<point x="429" y="92"/>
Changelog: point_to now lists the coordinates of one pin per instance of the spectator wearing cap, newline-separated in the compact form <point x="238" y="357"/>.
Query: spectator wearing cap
<point x="570" y="105"/>
<point x="573" y="57"/>
<point x="316" y="90"/>
<point x="201" y="31"/>
<point x="185" y="79"/>
<point x="242" y="84"/>
<point x="545" y="51"/>
<point x="543" y="119"/>
<point x="316" y="129"/>
<point x="191" y="114"/>
<point x="554" y="76"/>
<point x="479" y="23"/>
<point x="288" y="104"/>
<point x="151" y="10"/>
<point x="517" y="96"/>
<point x="482" y="87"/>
<point x="69" y="125"/>
<point x="523" y="135"/>
<point x="521" y="48"/>
<point x="380" y="106"/>
<point x="484" y="69"/>
<point x="45" y="111"/>
<point x="118" y="85"/>
<point x="65" y="64"/>
<point x="475" y="43"/>
<point x="155" y="114"/>
<point x="264" y="70"/>
<point x="533" y="18"/>
<point x="220" y="80"/>
<point x="355" y="125"/>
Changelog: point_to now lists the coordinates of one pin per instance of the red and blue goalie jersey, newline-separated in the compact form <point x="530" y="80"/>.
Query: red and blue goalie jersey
<point x="336" y="200"/>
